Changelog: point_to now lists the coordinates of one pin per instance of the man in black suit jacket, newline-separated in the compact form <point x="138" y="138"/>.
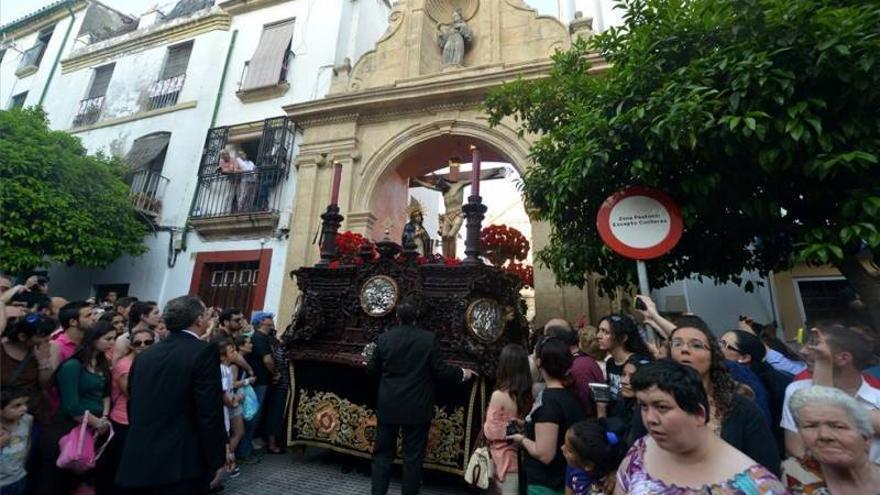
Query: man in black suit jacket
<point x="407" y="360"/>
<point x="176" y="438"/>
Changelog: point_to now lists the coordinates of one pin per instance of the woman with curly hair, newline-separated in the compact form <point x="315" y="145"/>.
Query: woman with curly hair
<point x="619" y="336"/>
<point x="738" y="420"/>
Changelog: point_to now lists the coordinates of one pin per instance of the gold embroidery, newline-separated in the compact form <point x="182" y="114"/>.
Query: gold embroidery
<point x="328" y="419"/>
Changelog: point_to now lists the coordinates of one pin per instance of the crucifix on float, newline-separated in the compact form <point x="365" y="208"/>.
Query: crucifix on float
<point x="451" y="186"/>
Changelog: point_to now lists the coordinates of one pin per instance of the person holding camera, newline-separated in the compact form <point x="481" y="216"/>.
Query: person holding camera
<point x="407" y="361"/>
<point x="510" y="402"/>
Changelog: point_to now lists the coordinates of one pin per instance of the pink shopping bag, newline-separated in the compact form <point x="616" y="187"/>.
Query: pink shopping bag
<point x="77" y="448"/>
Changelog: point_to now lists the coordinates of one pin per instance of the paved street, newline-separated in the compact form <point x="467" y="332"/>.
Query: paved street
<point x="320" y="473"/>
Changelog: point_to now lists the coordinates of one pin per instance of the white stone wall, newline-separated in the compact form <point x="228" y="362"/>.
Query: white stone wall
<point x="319" y="28"/>
<point x="11" y="85"/>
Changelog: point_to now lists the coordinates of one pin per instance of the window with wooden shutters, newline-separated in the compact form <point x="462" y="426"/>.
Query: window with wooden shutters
<point x="177" y="60"/>
<point x="268" y="63"/>
<point x="101" y="81"/>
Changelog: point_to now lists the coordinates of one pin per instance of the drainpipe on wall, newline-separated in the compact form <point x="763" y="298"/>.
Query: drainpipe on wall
<point x="192" y="203"/>
<point x="60" y="51"/>
<point x="223" y="78"/>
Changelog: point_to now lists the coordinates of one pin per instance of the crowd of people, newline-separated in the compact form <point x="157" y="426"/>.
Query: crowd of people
<point x="641" y="404"/>
<point x="173" y="398"/>
<point x="177" y="398"/>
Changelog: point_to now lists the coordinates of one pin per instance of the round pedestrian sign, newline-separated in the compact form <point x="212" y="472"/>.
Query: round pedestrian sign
<point x="639" y="223"/>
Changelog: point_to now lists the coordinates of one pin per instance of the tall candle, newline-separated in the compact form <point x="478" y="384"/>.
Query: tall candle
<point x="475" y="171"/>
<point x="337" y="177"/>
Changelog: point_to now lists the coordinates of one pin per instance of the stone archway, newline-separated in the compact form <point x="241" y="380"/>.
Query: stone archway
<point x="421" y="150"/>
<point x="399" y="99"/>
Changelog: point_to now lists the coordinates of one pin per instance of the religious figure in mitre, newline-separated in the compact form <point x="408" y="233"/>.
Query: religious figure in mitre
<point x="414" y="234"/>
<point x="455" y="40"/>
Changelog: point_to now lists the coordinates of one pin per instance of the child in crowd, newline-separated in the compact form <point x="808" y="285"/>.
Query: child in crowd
<point x="236" y="414"/>
<point x="230" y="402"/>
<point x="15" y="437"/>
<point x="593" y="454"/>
<point x="230" y="399"/>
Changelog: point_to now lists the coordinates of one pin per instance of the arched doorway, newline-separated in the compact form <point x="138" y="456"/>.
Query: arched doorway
<point x="398" y="112"/>
<point x="387" y="186"/>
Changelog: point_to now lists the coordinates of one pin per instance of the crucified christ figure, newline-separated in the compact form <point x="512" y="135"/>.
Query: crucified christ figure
<point x="452" y="188"/>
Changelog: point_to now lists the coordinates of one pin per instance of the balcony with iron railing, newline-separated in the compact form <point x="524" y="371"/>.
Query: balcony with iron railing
<point x="147" y="192"/>
<point x="165" y="92"/>
<point x="238" y="203"/>
<point x="30" y="60"/>
<point x="89" y="111"/>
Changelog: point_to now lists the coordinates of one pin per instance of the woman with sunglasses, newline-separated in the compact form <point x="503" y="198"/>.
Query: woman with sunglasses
<point x="747" y="349"/>
<point x="141" y="340"/>
<point x="736" y="419"/>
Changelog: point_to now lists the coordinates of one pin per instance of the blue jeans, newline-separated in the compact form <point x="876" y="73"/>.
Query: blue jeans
<point x="245" y="448"/>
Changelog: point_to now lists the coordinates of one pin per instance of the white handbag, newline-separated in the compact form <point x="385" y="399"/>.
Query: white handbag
<point x="480" y="469"/>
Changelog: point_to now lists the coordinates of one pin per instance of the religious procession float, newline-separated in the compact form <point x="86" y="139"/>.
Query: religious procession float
<point x="348" y="299"/>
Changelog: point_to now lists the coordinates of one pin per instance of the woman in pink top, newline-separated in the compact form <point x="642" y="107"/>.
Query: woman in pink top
<point x="141" y="340"/>
<point x="510" y="402"/>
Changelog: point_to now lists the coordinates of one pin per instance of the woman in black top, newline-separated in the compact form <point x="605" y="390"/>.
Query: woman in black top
<point x="625" y="412"/>
<point x="747" y="349"/>
<point x="554" y="411"/>
<point x="619" y="336"/>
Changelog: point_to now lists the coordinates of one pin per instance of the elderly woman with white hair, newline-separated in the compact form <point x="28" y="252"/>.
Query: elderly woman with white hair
<point x="837" y="432"/>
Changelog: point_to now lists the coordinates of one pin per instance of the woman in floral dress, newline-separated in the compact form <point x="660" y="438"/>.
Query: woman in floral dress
<point x="681" y="454"/>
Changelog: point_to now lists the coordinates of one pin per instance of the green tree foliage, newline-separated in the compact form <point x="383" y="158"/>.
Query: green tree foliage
<point x="760" y="117"/>
<point x="58" y="204"/>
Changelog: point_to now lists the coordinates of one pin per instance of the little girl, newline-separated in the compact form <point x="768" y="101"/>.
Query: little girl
<point x="15" y="437"/>
<point x="593" y="454"/>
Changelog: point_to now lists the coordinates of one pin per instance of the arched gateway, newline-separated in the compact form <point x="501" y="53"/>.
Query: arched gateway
<point x="400" y="112"/>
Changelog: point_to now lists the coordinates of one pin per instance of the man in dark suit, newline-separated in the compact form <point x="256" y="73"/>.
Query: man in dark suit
<point x="176" y="439"/>
<point x="407" y="361"/>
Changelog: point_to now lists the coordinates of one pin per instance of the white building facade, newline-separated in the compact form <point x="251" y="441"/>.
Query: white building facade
<point x="169" y="91"/>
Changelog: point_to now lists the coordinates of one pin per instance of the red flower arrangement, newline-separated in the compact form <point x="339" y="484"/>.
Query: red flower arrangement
<point x="502" y="244"/>
<point x="526" y="273"/>
<point x="348" y="246"/>
<point x="506" y="247"/>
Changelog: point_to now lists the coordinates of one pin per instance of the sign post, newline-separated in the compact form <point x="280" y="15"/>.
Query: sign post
<point x="642" y="270"/>
<point x="640" y="224"/>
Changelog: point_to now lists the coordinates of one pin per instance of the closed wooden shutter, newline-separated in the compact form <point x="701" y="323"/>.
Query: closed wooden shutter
<point x="178" y="59"/>
<point x="264" y="68"/>
<point x="101" y="81"/>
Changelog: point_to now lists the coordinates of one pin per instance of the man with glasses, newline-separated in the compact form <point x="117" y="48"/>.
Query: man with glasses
<point x="232" y="323"/>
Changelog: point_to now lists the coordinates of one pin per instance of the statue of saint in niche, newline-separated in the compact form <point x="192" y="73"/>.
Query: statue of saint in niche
<point x="455" y="40"/>
<point x="414" y="234"/>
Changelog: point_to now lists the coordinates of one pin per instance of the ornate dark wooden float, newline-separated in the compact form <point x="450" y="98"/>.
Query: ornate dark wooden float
<point x="475" y="310"/>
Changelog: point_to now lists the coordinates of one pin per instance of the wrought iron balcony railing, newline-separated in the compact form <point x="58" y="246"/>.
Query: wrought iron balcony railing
<point x="164" y="93"/>
<point x="148" y="191"/>
<point x="89" y="111"/>
<point x="239" y="193"/>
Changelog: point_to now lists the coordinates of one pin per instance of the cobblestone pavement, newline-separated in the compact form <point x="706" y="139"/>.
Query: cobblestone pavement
<point x="318" y="472"/>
